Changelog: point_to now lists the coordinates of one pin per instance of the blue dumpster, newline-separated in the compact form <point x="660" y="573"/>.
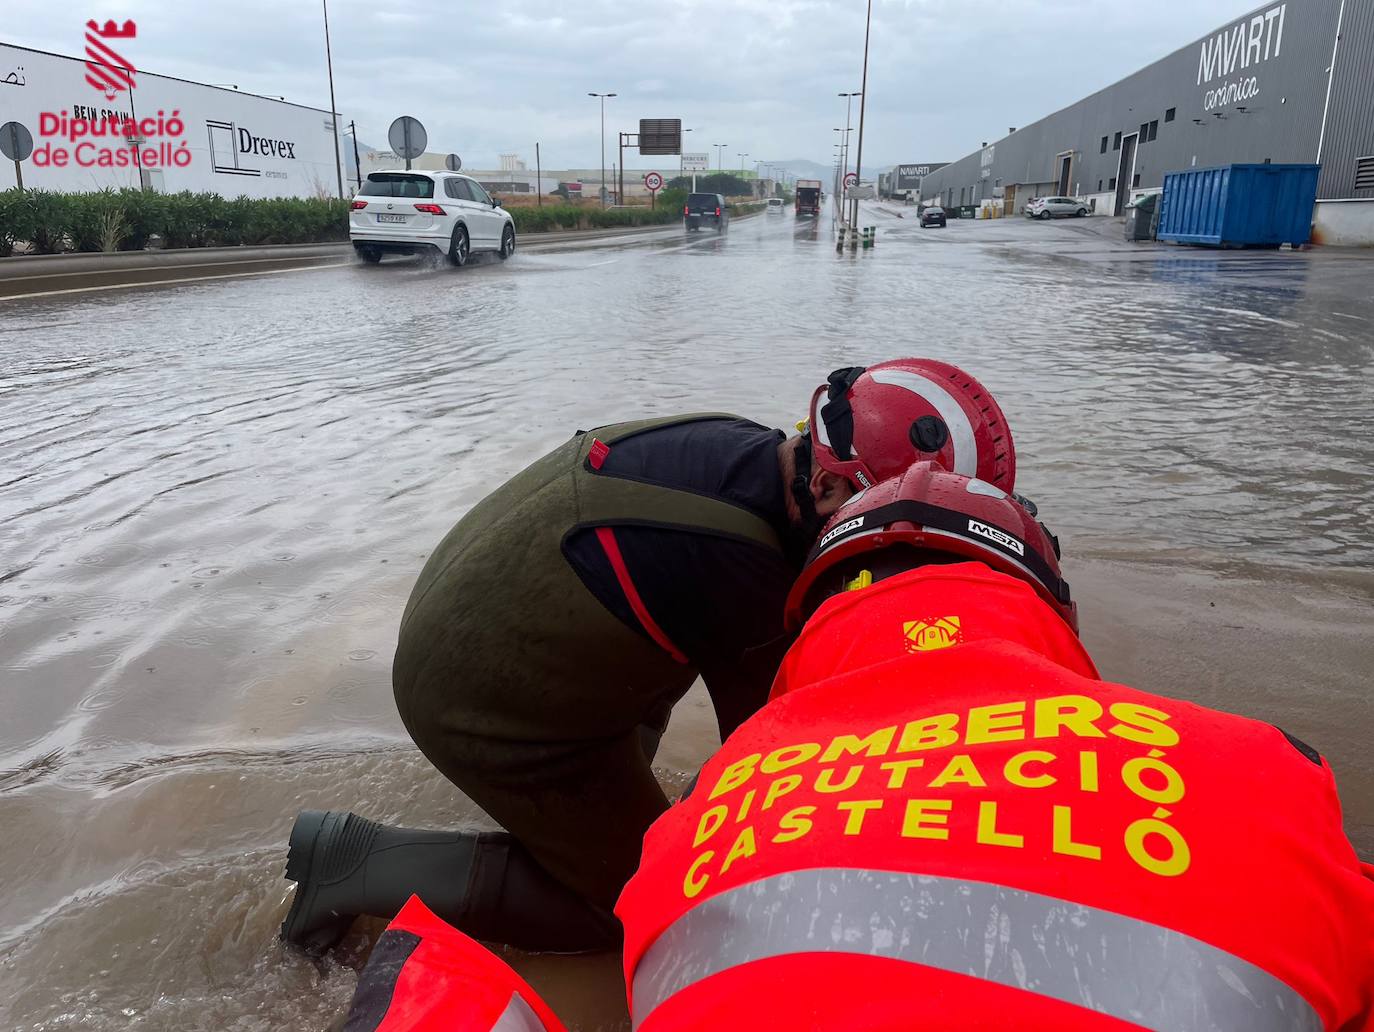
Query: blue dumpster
<point x="1239" y="205"/>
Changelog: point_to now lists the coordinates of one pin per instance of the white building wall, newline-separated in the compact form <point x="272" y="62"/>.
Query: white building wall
<point x="1344" y="223"/>
<point x="231" y="143"/>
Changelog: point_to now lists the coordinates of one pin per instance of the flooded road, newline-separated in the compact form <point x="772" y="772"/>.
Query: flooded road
<point x="214" y="499"/>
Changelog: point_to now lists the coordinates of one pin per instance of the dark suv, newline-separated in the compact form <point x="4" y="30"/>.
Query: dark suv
<point x="705" y="209"/>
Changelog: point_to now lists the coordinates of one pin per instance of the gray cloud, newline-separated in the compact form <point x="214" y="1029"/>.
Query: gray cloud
<point x="493" y="76"/>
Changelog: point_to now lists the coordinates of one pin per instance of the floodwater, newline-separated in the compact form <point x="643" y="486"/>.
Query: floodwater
<point x="214" y="499"/>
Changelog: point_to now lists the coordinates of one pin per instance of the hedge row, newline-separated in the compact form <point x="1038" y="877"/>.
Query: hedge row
<point x="124" y="220"/>
<point x="667" y="208"/>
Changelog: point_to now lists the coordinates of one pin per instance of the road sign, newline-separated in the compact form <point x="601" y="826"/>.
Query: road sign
<point x="453" y="163"/>
<point x="660" y="136"/>
<point x="696" y="162"/>
<point x="653" y="181"/>
<point x="16" y="142"/>
<point x="850" y="178"/>
<point x="408" y="138"/>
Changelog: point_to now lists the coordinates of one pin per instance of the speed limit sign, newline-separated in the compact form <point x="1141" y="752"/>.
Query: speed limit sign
<point x="850" y="178"/>
<point x="653" y="181"/>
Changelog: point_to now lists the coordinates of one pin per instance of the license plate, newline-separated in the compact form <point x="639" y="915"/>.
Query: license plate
<point x="391" y="218"/>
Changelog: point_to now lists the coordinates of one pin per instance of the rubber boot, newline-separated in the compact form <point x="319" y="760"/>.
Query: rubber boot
<point x="484" y="883"/>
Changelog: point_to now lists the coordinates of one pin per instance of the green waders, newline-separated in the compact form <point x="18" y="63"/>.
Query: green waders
<point x="523" y="689"/>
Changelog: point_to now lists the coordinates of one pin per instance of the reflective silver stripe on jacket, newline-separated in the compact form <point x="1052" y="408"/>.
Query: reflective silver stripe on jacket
<point x="518" y="1016"/>
<point x="1097" y="959"/>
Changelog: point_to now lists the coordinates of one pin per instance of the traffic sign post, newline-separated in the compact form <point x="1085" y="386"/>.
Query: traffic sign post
<point x="850" y="179"/>
<point x="654" y="183"/>
<point x="408" y="138"/>
<point x="16" y="143"/>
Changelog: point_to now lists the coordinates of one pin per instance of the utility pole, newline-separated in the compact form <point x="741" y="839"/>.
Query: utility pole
<point x="357" y="162"/>
<point x="863" y="103"/>
<point x="333" y="107"/>
<point x="603" y="97"/>
<point x="538" y="179"/>
<point x="720" y="149"/>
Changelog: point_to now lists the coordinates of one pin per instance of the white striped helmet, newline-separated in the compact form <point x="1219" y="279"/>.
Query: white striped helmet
<point x="869" y="424"/>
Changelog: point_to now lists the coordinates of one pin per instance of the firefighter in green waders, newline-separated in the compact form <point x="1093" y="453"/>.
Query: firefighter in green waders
<point x="552" y="631"/>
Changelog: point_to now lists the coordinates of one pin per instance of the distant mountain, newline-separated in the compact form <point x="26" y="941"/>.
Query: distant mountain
<point x="801" y="168"/>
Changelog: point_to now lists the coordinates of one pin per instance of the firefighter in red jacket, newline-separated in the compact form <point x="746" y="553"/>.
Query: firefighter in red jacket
<point x="944" y="819"/>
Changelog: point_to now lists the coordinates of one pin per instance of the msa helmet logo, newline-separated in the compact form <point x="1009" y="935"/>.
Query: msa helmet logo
<point x="843" y="528"/>
<point x="859" y="475"/>
<point x="997" y="536"/>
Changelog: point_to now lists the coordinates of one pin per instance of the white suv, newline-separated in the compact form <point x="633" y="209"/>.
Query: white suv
<point x="1056" y="207"/>
<point x="408" y="212"/>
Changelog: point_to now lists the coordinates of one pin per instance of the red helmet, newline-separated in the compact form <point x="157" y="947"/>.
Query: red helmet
<point x="871" y="424"/>
<point x="930" y="510"/>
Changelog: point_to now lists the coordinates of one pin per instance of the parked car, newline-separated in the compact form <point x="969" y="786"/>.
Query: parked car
<point x="775" y="206"/>
<point x="932" y="215"/>
<point x="412" y="212"/>
<point x="705" y="209"/>
<point x="1056" y="207"/>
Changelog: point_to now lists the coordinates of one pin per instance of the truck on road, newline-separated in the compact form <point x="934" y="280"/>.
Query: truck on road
<point x="808" y="197"/>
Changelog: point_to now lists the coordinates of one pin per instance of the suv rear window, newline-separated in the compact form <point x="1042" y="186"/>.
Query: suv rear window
<point x="393" y="184"/>
<point x="703" y="200"/>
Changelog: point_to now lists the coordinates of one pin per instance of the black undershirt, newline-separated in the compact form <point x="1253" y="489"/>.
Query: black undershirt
<point x="718" y="600"/>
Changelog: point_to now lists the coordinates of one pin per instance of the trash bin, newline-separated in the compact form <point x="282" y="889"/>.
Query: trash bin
<point x="1140" y="217"/>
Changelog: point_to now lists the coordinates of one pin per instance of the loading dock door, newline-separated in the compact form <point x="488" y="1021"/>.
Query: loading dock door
<point x="1065" y="163"/>
<point x="1125" y="170"/>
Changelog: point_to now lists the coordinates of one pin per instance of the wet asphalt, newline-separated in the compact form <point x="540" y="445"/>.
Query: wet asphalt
<point x="215" y="496"/>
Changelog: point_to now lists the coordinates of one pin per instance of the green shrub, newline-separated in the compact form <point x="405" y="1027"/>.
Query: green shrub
<point x="16" y="222"/>
<point x="549" y="217"/>
<point x="145" y="212"/>
<point x="48" y="217"/>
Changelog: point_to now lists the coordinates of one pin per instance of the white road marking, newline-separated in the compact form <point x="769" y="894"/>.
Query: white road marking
<point x="165" y="282"/>
<point x="189" y="265"/>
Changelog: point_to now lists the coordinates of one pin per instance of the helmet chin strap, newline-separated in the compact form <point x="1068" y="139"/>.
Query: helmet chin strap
<point x="802" y="534"/>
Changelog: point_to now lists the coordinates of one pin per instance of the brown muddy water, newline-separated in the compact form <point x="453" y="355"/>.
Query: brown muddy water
<point x="214" y="500"/>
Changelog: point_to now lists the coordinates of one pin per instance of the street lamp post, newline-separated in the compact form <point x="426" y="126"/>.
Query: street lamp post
<point x="863" y="103"/>
<point x="681" y="172"/>
<point x="848" y="100"/>
<point x="333" y="108"/>
<point x="603" y="97"/>
<point x="720" y="149"/>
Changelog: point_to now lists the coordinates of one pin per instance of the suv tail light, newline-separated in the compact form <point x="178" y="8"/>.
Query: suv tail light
<point x="717" y="213"/>
<point x="358" y="204"/>
<point x="429" y="209"/>
<point x="686" y="210"/>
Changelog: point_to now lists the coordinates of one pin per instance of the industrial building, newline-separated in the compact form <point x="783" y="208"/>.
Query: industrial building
<point x="1288" y="82"/>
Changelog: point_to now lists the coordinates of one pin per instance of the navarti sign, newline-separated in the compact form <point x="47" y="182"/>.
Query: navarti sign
<point x="1237" y="49"/>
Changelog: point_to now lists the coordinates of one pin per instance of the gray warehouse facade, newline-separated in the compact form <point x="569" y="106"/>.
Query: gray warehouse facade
<point x="1289" y="82"/>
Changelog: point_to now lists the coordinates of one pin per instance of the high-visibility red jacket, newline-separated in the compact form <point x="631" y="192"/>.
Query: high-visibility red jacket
<point x="426" y="976"/>
<point x="945" y="820"/>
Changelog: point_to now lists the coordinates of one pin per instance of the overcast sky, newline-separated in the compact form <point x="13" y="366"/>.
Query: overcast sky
<point x="493" y="76"/>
